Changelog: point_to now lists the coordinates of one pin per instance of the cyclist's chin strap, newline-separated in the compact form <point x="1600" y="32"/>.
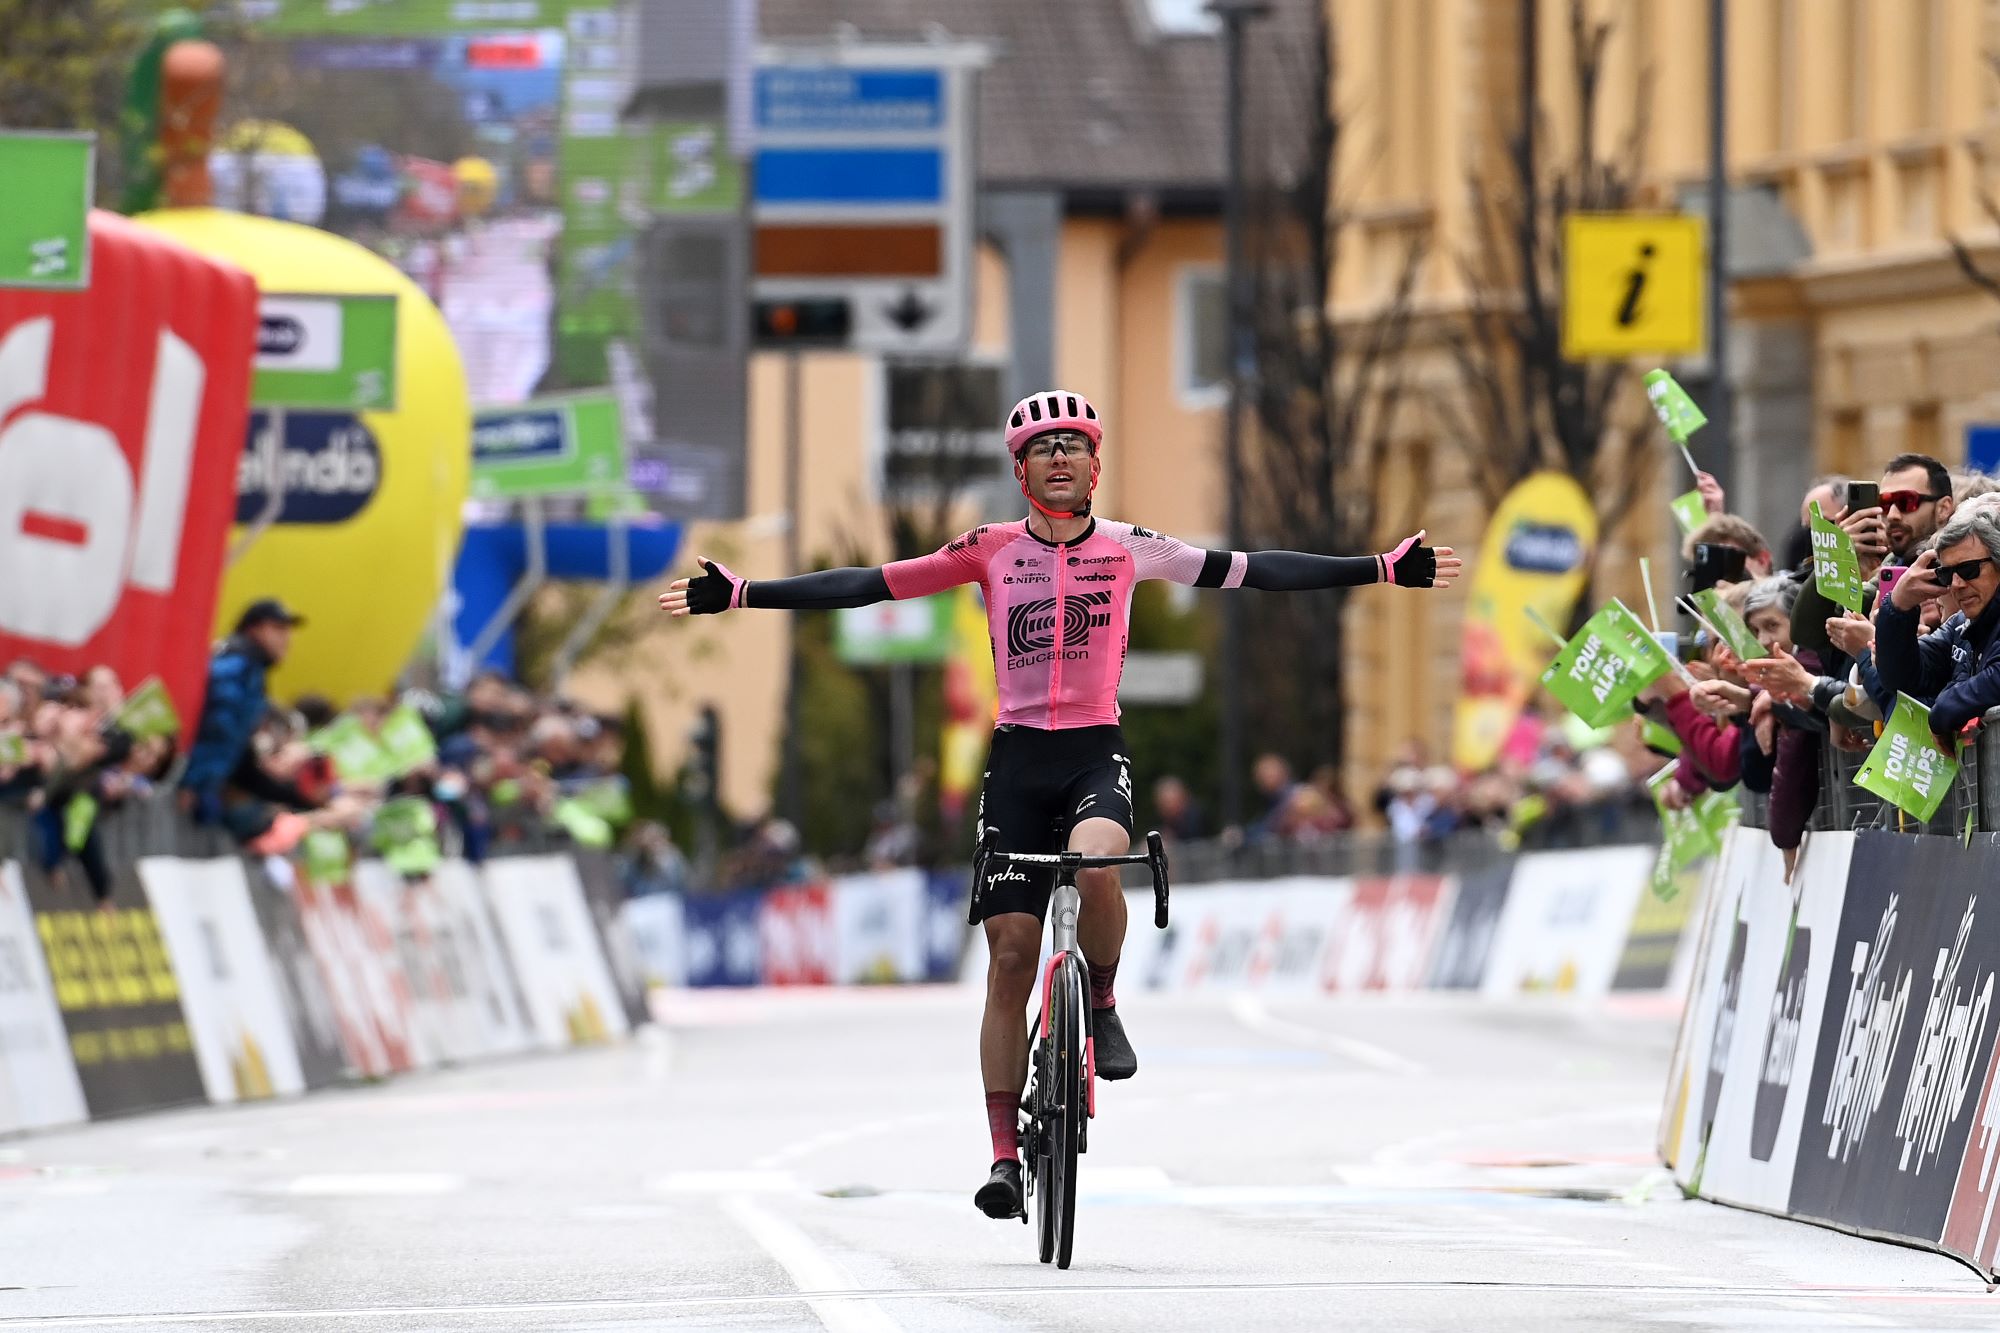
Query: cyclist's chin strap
<point x="1021" y="474"/>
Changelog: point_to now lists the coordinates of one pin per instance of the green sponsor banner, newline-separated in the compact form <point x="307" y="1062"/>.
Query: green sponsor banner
<point x="1836" y="566"/>
<point x="693" y="169"/>
<point x="327" y="856"/>
<point x="46" y="184"/>
<point x="1734" y="629"/>
<point x="1603" y="668"/>
<point x="397" y="18"/>
<point x="574" y="445"/>
<point x="148" y="712"/>
<point x="1690" y="511"/>
<point x="918" y="630"/>
<point x="326" y="353"/>
<point x="1676" y="410"/>
<point x="406" y="740"/>
<point x="357" y="754"/>
<point x="1905" y="768"/>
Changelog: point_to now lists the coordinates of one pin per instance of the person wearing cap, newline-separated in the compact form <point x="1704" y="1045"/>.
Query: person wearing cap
<point x="235" y="702"/>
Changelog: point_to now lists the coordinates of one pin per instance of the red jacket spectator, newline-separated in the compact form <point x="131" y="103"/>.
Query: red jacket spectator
<point x="1715" y="750"/>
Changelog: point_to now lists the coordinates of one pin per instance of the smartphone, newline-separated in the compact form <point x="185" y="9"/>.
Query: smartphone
<point x="1863" y="495"/>
<point x="1890" y="573"/>
<point x="1716" y="563"/>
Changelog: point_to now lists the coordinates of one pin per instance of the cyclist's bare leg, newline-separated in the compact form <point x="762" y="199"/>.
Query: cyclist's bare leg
<point x="1101" y="927"/>
<point x="1013" y="946"/>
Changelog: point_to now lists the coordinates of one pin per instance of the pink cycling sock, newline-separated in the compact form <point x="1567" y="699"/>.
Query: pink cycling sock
<point x="1100" y="985"/>
<point x="1002" y="1109"/>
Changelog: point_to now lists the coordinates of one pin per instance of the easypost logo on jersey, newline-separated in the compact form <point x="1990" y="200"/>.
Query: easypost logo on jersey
<point x="327" y="468"/>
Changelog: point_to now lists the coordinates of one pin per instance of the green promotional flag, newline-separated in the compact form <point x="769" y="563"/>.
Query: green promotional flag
<point x="1905" y="768"/>
<point x="148" y="712"/>
<point x="358" y="756"/>
<point x="1718" y="813"/>
<point x="406" y="740"/>
<point x="1605" y="665"/>
<point x="1658" y="737"/>
<point x="1690" y="511"/>
<point x="1836" y="567"/>
<point x="1683" y="839"/>
<point x="585" y="825"/>
<point x="405" y="832"/>
<point x="45" y="208"/>
<point x="13" y="749"/>
<point x="1734" y="630"/>
<point x="1676" y="410"/>
<point x="609" y="800"/>
<point x="78" y="819"/>
<point x="327" y="856"/>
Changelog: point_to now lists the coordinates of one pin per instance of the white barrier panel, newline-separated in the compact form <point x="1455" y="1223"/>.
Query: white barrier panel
<point x="659" y="933"/>
<point x="1261" y="935"/>
<point x="242" y="1036"/>
<point x="1565" y="923"/>
<point x="364" y="977"/>
<point x="538" y="901"/>
<point x="38" y="1083"/>
<point x="880" y="931"/>
<point x="1741" y="1109"/>
<point x="1388" y="934"/>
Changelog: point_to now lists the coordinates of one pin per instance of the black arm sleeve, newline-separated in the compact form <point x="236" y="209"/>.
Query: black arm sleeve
<point x="1298" y="571"/>
<point x="826" y="590"/>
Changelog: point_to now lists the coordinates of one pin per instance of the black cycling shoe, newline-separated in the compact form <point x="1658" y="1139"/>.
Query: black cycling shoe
<point x="1000" y="1196"/>
<point x="1115" y="1057"/>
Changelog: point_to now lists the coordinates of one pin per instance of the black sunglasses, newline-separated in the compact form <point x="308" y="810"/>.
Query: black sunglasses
<point x="1968" y="570"/>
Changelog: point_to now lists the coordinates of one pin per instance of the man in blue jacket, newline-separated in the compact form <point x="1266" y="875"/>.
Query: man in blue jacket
<point x="1955" y="668"/>
<point x="222" y="758"/>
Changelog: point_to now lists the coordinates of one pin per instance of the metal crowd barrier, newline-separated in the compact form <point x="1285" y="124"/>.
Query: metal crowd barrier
<point x="1844" y="807"/>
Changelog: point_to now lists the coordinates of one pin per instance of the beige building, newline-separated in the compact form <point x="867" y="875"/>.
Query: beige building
<point x="1857" y="133"/>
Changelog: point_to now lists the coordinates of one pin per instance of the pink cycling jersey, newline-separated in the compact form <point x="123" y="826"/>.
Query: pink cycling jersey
<point x="1058" y="612"/>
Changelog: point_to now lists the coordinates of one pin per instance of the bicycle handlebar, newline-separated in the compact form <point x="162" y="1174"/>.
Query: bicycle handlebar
<point x="1154" y="857"/>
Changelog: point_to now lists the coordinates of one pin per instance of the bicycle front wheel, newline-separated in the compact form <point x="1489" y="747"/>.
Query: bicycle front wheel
<point x="1069" y="1032"/>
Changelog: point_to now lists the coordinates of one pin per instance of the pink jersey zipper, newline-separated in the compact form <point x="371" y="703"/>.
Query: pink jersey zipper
<point x="1055" y="663"/>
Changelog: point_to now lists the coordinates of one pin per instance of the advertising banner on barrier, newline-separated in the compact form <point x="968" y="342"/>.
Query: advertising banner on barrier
<point x="1565" y="921"/>
<point x="724" y="947"/>
<point x="1655" y="949"/>
<point x="1264" y="935"/>
<point x="364" y="976"/>
<point x="38" y="1083"/>
<point x="795" y="935"/>
<point x="604" y="895"/>
<point x="1907" y="1035"/>
<point x="553" y="941"/>
<point x="120" y="1000"/>
<point x="242" y="1038"/>
<point x="459" y="923"/>
<point x="1466" y="941"/>
<point x="443" y="1021"/>
<point x="879" y="927"/>
<point x="1973" y="1227"/>
<point x="1760" y="1025"/>
<point x="944" y="922"/>
<point x="302" y="986"/>
<point x="659" y="933"/>
<point x="1385" y="939"/>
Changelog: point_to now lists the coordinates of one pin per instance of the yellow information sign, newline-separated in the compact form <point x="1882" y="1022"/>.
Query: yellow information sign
<point x="1632" y="283"/>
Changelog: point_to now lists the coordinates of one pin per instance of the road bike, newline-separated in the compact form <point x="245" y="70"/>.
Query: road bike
<point x="1062" y="1075"/>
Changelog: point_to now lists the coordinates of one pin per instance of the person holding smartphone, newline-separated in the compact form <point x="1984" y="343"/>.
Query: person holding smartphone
<point x="1955" y="668"/>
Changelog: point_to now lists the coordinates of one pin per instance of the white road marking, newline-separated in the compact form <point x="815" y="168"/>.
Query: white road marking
<point x="374" y="1184"/>
<point x="809" y="1268"/>
<point x="805" y="1147"/>
<point x="1251" y="1013"/>
<point x="1398" y="1153"/>
<point x="1971" y="1291"/>
<point x="724" y="1182"/>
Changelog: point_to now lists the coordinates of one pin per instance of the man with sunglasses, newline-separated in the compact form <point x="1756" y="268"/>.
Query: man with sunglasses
<point x="1956" y="668"/>
<point x="1058" y="588"/>
<point x="1915" y="500"/>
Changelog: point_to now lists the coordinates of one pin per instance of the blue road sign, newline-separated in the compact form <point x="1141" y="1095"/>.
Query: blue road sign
<point x="870" y="101"/>
<point x="1982" y="447"/>
<point x="850" y="176"/>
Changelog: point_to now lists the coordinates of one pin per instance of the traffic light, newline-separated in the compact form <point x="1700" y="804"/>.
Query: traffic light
<point x="815" y="323"/>
<point x="705" y="763"/>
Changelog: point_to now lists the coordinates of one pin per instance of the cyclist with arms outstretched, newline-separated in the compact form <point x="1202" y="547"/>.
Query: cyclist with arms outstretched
<point x="1058" y="588"/>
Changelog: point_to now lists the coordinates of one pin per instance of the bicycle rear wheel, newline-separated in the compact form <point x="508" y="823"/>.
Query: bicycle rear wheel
<point x="1070" y="1031"/>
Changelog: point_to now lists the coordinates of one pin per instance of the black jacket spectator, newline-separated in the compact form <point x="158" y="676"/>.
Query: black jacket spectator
<point x="1955" y="668"/>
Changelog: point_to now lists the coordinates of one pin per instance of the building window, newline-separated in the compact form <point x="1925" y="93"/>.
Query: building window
<point x="1201" y="337"/>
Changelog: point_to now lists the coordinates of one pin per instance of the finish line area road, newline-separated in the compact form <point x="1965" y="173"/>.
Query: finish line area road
<point x="780" y="1160"/>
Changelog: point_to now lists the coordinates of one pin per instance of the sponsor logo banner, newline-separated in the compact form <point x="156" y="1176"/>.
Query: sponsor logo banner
<point x="795" y="932"/>
<point x="1467" y="940"/>
<point x="1973" y="1227"/>
<point x="120" y="1000"/>
<point x="659" y="933"/>
<point x="242" y="1038"/>
<point x="1385" y="939"/>
<point x="302" y="986"/>
<point x="1653" y="943"/>
<point x="1906" y="1037"/>
<point x="553" y="941"/>
<point x="879" y="927"/>
<point x="1565" y="921"/>
<point x="1771" y="999"/>
<point x="365" y="981"/>
<point x="944" y="924"/>
<point x="724" y="947"/>
<point x="38" y="1083"/>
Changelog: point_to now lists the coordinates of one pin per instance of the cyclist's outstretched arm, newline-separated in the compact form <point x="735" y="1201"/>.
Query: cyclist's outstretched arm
<point x="828" y="589"/>
<point x="1410" y="565"/>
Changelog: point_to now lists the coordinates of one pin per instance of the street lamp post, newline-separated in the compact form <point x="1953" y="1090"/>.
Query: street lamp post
<point x="1236" y="16"/>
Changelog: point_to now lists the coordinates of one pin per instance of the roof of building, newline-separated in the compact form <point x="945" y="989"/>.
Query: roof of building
<point x="1083" y="95"/>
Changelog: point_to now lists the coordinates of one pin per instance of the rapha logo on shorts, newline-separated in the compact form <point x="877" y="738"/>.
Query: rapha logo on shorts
<point x="1011" y="875"/>
<point x="1031" y="626"/>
